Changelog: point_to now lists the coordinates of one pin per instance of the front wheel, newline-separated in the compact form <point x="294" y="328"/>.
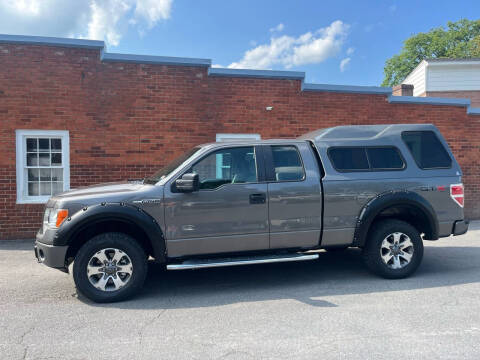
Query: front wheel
<point x="110" y="267"/>
<point x="394" y="249"/>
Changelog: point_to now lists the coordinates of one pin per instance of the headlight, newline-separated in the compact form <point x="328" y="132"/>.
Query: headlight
<point x="55" y="217"/>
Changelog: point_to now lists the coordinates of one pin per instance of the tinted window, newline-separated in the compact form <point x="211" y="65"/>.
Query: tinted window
<point x="227" y="166"/>
<point x="384" y="158"/>
<point x="426" y="149"/>
<point x="349" y="159"/>
<point x="287" y="163"/>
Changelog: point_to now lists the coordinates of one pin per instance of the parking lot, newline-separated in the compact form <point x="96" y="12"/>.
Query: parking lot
<point x="330" y="308"/>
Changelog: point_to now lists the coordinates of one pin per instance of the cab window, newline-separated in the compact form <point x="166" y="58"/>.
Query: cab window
<point x="287" y="163"/>
<point x="236" y="165"/>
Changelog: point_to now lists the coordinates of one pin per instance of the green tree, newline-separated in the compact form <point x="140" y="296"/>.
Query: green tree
<point x="460" y="39"/>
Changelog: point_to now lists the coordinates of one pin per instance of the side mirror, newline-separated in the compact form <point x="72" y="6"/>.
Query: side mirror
<point x="188" y="183"/>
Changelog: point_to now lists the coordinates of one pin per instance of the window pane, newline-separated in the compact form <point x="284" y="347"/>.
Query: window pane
<point x="44" y="159"/>
<point x="287" y="163"/>
<point x="384" y="158"/>
<point x="32" y="159"/>
<point x="56" y="144"/>
<point x="57" y="174"/>
<point x="43" y="165"/>
<point x="426" y="149"/>
<point x="33" y="174"/>
<point x="56" y="159"/>
<point x="32" y="145"/>
<point x="33" y="189"/>
<point x="45" y="175"/>
<point x="57" y="187"/>
<point x="44" y="145"/>
<point x="45" y="188"/>
<point x="345" y="159"/>
<point x="234" y="165"/>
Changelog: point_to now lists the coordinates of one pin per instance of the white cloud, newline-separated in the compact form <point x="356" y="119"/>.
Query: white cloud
<point x="277" y="28"/>
<point x="288" y="51"/>
<point x="105" y="20"/>
<point x="350" y="50"/>
<point x="392" y="8"/>
<point x="344" y="63"/>
<point x="153" y="10"/>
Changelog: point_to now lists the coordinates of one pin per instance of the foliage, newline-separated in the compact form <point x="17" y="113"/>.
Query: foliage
<point x="460" y="39"/>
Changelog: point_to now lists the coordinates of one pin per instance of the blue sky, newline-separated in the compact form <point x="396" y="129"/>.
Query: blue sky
<point x="336" y="42"/>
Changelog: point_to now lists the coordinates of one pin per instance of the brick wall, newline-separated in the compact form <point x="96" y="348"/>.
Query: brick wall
<point x="474" y="96"/>
<point x="125" y="120"/>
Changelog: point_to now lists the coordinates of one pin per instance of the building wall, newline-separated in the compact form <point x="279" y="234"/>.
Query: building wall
<point x="474" y="96"/>
<point x="453" y="76"/>
<point x="417" y="78"/>
<point x="125" y="120"/>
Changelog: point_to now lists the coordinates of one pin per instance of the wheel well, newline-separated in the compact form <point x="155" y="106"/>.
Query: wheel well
<point x="94" y="229"/>
<point x="410" y="214"/>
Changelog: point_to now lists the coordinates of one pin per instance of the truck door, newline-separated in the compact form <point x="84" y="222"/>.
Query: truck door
<point x="294" y="196"/>
<point x="228" y="214"/>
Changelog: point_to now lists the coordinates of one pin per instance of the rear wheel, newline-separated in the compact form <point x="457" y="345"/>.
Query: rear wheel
<point x="110" y="267"/>
<point x="394" y="249"/>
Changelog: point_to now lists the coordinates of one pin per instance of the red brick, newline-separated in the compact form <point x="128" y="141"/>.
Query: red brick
<point x="126" y="120"/>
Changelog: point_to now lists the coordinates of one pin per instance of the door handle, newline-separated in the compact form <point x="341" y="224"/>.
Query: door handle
<point x="257" y="198"/>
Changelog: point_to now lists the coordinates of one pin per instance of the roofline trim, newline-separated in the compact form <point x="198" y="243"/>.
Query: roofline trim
<point x="262" y="74"/>
<point x="151" y="59"/>
<point x="347" y="89"/>
<point x="51" y="41"/>
<point x="428" y="100"/>
<point x="473" y="111"/>
<point x="453" y="63"/>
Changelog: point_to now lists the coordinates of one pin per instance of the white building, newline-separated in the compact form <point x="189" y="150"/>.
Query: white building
<point x="457" y="78"/>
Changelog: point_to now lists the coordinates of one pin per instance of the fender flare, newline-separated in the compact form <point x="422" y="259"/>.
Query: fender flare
<point x="103" y="212"/>
<point x="389" y="199"/>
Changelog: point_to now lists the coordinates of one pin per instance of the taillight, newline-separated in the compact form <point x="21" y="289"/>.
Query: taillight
<point x="456" y="192"/>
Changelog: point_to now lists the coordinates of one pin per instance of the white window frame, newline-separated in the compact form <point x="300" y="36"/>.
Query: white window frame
<point x="21" y="135"/>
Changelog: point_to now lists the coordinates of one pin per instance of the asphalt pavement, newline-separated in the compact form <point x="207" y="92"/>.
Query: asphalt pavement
<point x="325" y="309"/>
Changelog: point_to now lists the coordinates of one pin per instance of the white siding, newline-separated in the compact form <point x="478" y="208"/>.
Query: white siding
<point x="417" y="79"/>
<point x="453" y="77"/>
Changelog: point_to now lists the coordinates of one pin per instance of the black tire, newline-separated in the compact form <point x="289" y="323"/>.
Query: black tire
<point x="125" y="244"/>
<point x="372" y="250"/>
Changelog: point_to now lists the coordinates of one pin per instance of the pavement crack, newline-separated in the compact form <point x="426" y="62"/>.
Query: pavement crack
<point x="240" y="353"/>
<point x="148" y="323"/>
<point x="22" y="339"/>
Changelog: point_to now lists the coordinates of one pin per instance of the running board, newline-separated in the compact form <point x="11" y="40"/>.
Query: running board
<point x="241" y="260"/>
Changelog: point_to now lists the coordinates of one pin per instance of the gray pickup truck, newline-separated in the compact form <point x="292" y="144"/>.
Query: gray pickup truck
<point x="382" y="188"/>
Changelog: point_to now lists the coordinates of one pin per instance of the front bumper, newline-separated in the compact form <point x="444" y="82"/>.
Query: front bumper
<point x="460" y="227"/>
<point x="50" y="255"/>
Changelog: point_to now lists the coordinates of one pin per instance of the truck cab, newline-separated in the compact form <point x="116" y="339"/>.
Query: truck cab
<point x="382" y="188"/>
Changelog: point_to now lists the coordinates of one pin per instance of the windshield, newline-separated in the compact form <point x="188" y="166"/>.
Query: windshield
<point x="167" y="170"/>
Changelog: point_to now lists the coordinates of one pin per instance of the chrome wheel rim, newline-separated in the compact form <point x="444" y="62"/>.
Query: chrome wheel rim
<point x="396" y="250"/>
<point x="109" y="269"/>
